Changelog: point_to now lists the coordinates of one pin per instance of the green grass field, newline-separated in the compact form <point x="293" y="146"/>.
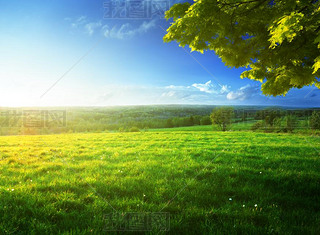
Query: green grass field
<point x="209" y="182"/>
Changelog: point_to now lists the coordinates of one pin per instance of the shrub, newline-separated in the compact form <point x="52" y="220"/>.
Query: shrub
<point x="134" y="129"/>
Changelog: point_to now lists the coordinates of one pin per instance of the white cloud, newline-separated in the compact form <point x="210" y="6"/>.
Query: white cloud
<point x="210" y="88"/>
<point x="123" y="31"/>
<point x="126" y="30"/>
<point x="206" y="87"/>
<point x="243" y="93"/>
<point x="128" y="95"/>
<point x="178" y="87"/>
<point x="79" y="22"/>
<point x="224" y="89"/>
<point x="91" y="27"/>
<point x="168" y="94"/>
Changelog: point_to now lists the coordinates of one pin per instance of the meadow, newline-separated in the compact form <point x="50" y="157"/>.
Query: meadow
<point x="209" y="182"/>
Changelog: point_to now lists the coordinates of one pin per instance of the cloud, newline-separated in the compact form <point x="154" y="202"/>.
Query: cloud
<point x="224" y="89"/>
<point x="207" y="87"/>
<point x="126" y="30"/>
<point x="243" y="93"/>
<point x="168" y="94"/>
<point x="178" y="87"/>
<point x="129" y="94"/>
<point x="177" y="95"/>
<point x="91" y="27"/>
<point x="82" y="24"/>
<point x="79" y="22"/>
<point x="196" y="93"/>
<point x="123" y="31"/>
<point x="210" y="88"/>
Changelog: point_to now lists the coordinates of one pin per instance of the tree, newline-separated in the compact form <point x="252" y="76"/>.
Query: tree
<point x="315" y="120"/>
<point x="244" y="116"/>
<point x="169" y="123"/>
<point x="270" y="115"/>
<point x="222" y="117"/>
<point x="278" y="39"/>
<point x="291" y="123"/>
<point x="206" y="120"/>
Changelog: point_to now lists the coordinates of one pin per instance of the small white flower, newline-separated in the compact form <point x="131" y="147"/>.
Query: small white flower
<point x="243" y="205"/>
<point x="31" y="180"/>
<point x="260" y="172"/>
<point x="144" y="195"/>
<point x="12" y="189"/>
<point x="255" y="205"/>
<point x="230" y="199"/>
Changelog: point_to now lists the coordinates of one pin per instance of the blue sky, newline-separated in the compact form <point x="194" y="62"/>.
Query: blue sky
<point x="110" y="60"/>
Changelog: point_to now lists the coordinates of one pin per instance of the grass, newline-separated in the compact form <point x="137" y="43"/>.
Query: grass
<point x="216" y="183"/>
<point x="241" y="126"/>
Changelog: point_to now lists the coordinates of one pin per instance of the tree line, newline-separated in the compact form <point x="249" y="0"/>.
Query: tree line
<point x="269" y="119"/>
<point x="137" y="118"/>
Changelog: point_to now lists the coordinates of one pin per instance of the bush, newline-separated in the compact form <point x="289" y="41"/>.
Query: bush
<point x="134" y="129"/>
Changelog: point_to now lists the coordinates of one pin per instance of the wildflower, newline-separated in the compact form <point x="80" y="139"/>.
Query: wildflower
<point x="243" y="205"/>
<point x="230" y="199"/>
<point x="255" y="205"/>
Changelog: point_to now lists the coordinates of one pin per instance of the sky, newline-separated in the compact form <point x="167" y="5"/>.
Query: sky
<point x="97" y="53"/>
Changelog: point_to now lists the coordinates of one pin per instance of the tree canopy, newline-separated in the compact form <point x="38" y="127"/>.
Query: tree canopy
<point x="278" y="41"/>
<point x="222" y="116"/>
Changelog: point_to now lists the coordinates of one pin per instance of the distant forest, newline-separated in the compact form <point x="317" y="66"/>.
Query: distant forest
<point x="130" y="118"/>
